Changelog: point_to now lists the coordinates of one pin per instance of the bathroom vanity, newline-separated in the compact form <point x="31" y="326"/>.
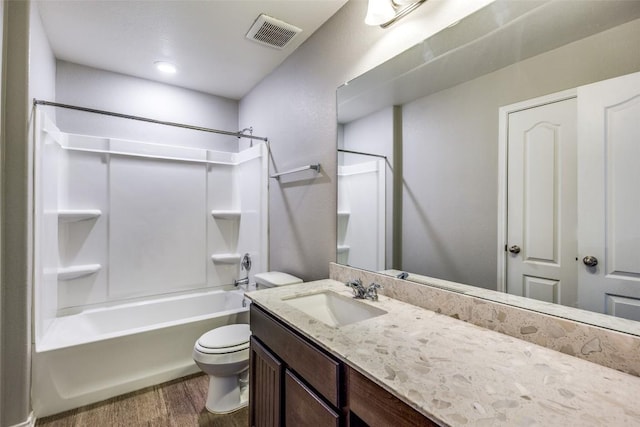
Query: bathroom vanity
<point x="296" y="382"/>
<point x="405" y="365"/>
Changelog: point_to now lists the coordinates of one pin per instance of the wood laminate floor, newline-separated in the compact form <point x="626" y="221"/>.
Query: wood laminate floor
<point x="176" y="403"/>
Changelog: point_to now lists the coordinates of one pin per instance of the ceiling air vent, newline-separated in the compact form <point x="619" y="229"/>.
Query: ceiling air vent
<point x="272" y="32"/>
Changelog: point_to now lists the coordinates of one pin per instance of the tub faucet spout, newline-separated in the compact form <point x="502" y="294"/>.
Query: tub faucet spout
<point x="238" y="282"/>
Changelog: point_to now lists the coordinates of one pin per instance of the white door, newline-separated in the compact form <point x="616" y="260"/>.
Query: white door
<point x="541" y="203"/>
<point x="609" y="196"/>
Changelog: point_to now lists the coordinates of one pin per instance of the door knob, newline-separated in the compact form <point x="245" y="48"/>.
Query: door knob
<point x="515" y="249"/>
<point x="590" y="261"/>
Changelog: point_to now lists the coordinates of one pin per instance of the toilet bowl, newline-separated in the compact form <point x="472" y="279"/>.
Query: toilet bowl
<point x="223" y="354"/>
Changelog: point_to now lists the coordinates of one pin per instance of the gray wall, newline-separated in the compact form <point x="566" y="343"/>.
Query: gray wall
<point x="295" y="107"/>
<point x="450" y="153"/>
<point x="94" y="88"/>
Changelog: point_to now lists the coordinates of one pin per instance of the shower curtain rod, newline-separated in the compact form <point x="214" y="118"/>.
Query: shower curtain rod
<point x="341" y="150"/>
<point x="145" y="119"/>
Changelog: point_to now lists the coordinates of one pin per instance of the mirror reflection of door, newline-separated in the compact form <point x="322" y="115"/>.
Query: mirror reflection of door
<point x="609" y="196"/>
<point x="573" y="208"/>
<point x="541" y="202"/>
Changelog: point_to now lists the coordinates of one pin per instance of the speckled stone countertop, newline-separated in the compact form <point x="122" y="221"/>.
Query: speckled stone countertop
<point x="460" y="374"/>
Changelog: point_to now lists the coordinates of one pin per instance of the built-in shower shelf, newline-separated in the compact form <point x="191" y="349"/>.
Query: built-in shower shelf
<point x="342" y="249"/>
<point x="226" y="214"/>
<point x="343" y="214"/>
<point x="73" y="215"/>
<point x="77" y="271"/>
<point x="226" y="258"/>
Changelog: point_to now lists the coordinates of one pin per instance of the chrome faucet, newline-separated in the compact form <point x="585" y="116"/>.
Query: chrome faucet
<point x="238" y="282"/>
<point x="360" y="292"/>
<point x="245" y="264"/>
<point x="356" y="286"/>
<point x="372" y="291"/>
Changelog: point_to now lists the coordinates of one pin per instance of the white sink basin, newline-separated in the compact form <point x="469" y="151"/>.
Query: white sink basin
<point x="334" y="309"/>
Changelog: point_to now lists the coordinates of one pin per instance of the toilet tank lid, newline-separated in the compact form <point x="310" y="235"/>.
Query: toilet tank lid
<point x="226" y="336"/>
<point x="276" y="278"/>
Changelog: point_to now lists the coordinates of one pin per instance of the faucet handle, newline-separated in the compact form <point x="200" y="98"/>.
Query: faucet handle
<point x="357" y="288"/>
<point x="245" y="264"/>
<point x="372" y="291"/>
<point x="355" y="282"/>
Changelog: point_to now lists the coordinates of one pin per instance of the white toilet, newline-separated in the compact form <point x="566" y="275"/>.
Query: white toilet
<point x="223" y="354"/>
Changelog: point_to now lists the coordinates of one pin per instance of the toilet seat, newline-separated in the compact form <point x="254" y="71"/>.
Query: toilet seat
<point x="226" y="339"/>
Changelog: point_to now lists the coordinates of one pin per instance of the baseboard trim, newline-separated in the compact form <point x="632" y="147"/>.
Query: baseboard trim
<point x="29" y="422"/>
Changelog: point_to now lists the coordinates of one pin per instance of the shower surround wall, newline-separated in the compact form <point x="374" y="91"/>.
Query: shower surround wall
<point x="125" y="222"/>
<point x="361" y="212"/>
<point x="373" y="134"/>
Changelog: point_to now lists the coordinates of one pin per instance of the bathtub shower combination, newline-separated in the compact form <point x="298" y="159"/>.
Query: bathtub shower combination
<point x="137" y="246"/>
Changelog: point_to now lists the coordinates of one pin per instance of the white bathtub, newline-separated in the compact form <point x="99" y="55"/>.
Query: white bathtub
<point x="101" y="353"/>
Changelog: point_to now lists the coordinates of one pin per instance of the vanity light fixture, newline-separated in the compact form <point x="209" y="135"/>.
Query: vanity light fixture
<point x="386" y="12"/>
<point x="165" y="67"/>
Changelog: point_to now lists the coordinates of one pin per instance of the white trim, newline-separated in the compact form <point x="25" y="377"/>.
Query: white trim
<point x="359" y="168"/>
<point x="382" y="219"/>
<point x="29" y="422"/>
<point x="503" y="132"/>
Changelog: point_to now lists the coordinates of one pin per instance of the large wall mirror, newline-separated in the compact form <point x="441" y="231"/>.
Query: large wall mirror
<point x="502" y="154"/>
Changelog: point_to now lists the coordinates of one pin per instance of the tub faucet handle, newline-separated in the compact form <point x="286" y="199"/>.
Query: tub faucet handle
<point x="245" y="264"/>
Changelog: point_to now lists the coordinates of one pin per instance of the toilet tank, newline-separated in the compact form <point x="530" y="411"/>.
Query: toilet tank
<point x="272" y="279"/>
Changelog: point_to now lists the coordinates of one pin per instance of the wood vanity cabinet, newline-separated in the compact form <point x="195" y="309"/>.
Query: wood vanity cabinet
<point x="293" y="382"/>
<point x="374" y="406"/>
<point x="265" y="386"/>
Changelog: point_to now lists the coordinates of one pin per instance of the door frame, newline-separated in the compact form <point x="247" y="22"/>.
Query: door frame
<point x="503" y="156"/>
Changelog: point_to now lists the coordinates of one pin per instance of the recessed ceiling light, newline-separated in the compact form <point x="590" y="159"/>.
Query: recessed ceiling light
<point x="165" y="67"/>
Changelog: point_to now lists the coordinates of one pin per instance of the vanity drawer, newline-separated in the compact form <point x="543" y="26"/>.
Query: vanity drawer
<point x="318" y="369"/>
<point x="303" y="407"/>
<point x="377" y="407"/>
